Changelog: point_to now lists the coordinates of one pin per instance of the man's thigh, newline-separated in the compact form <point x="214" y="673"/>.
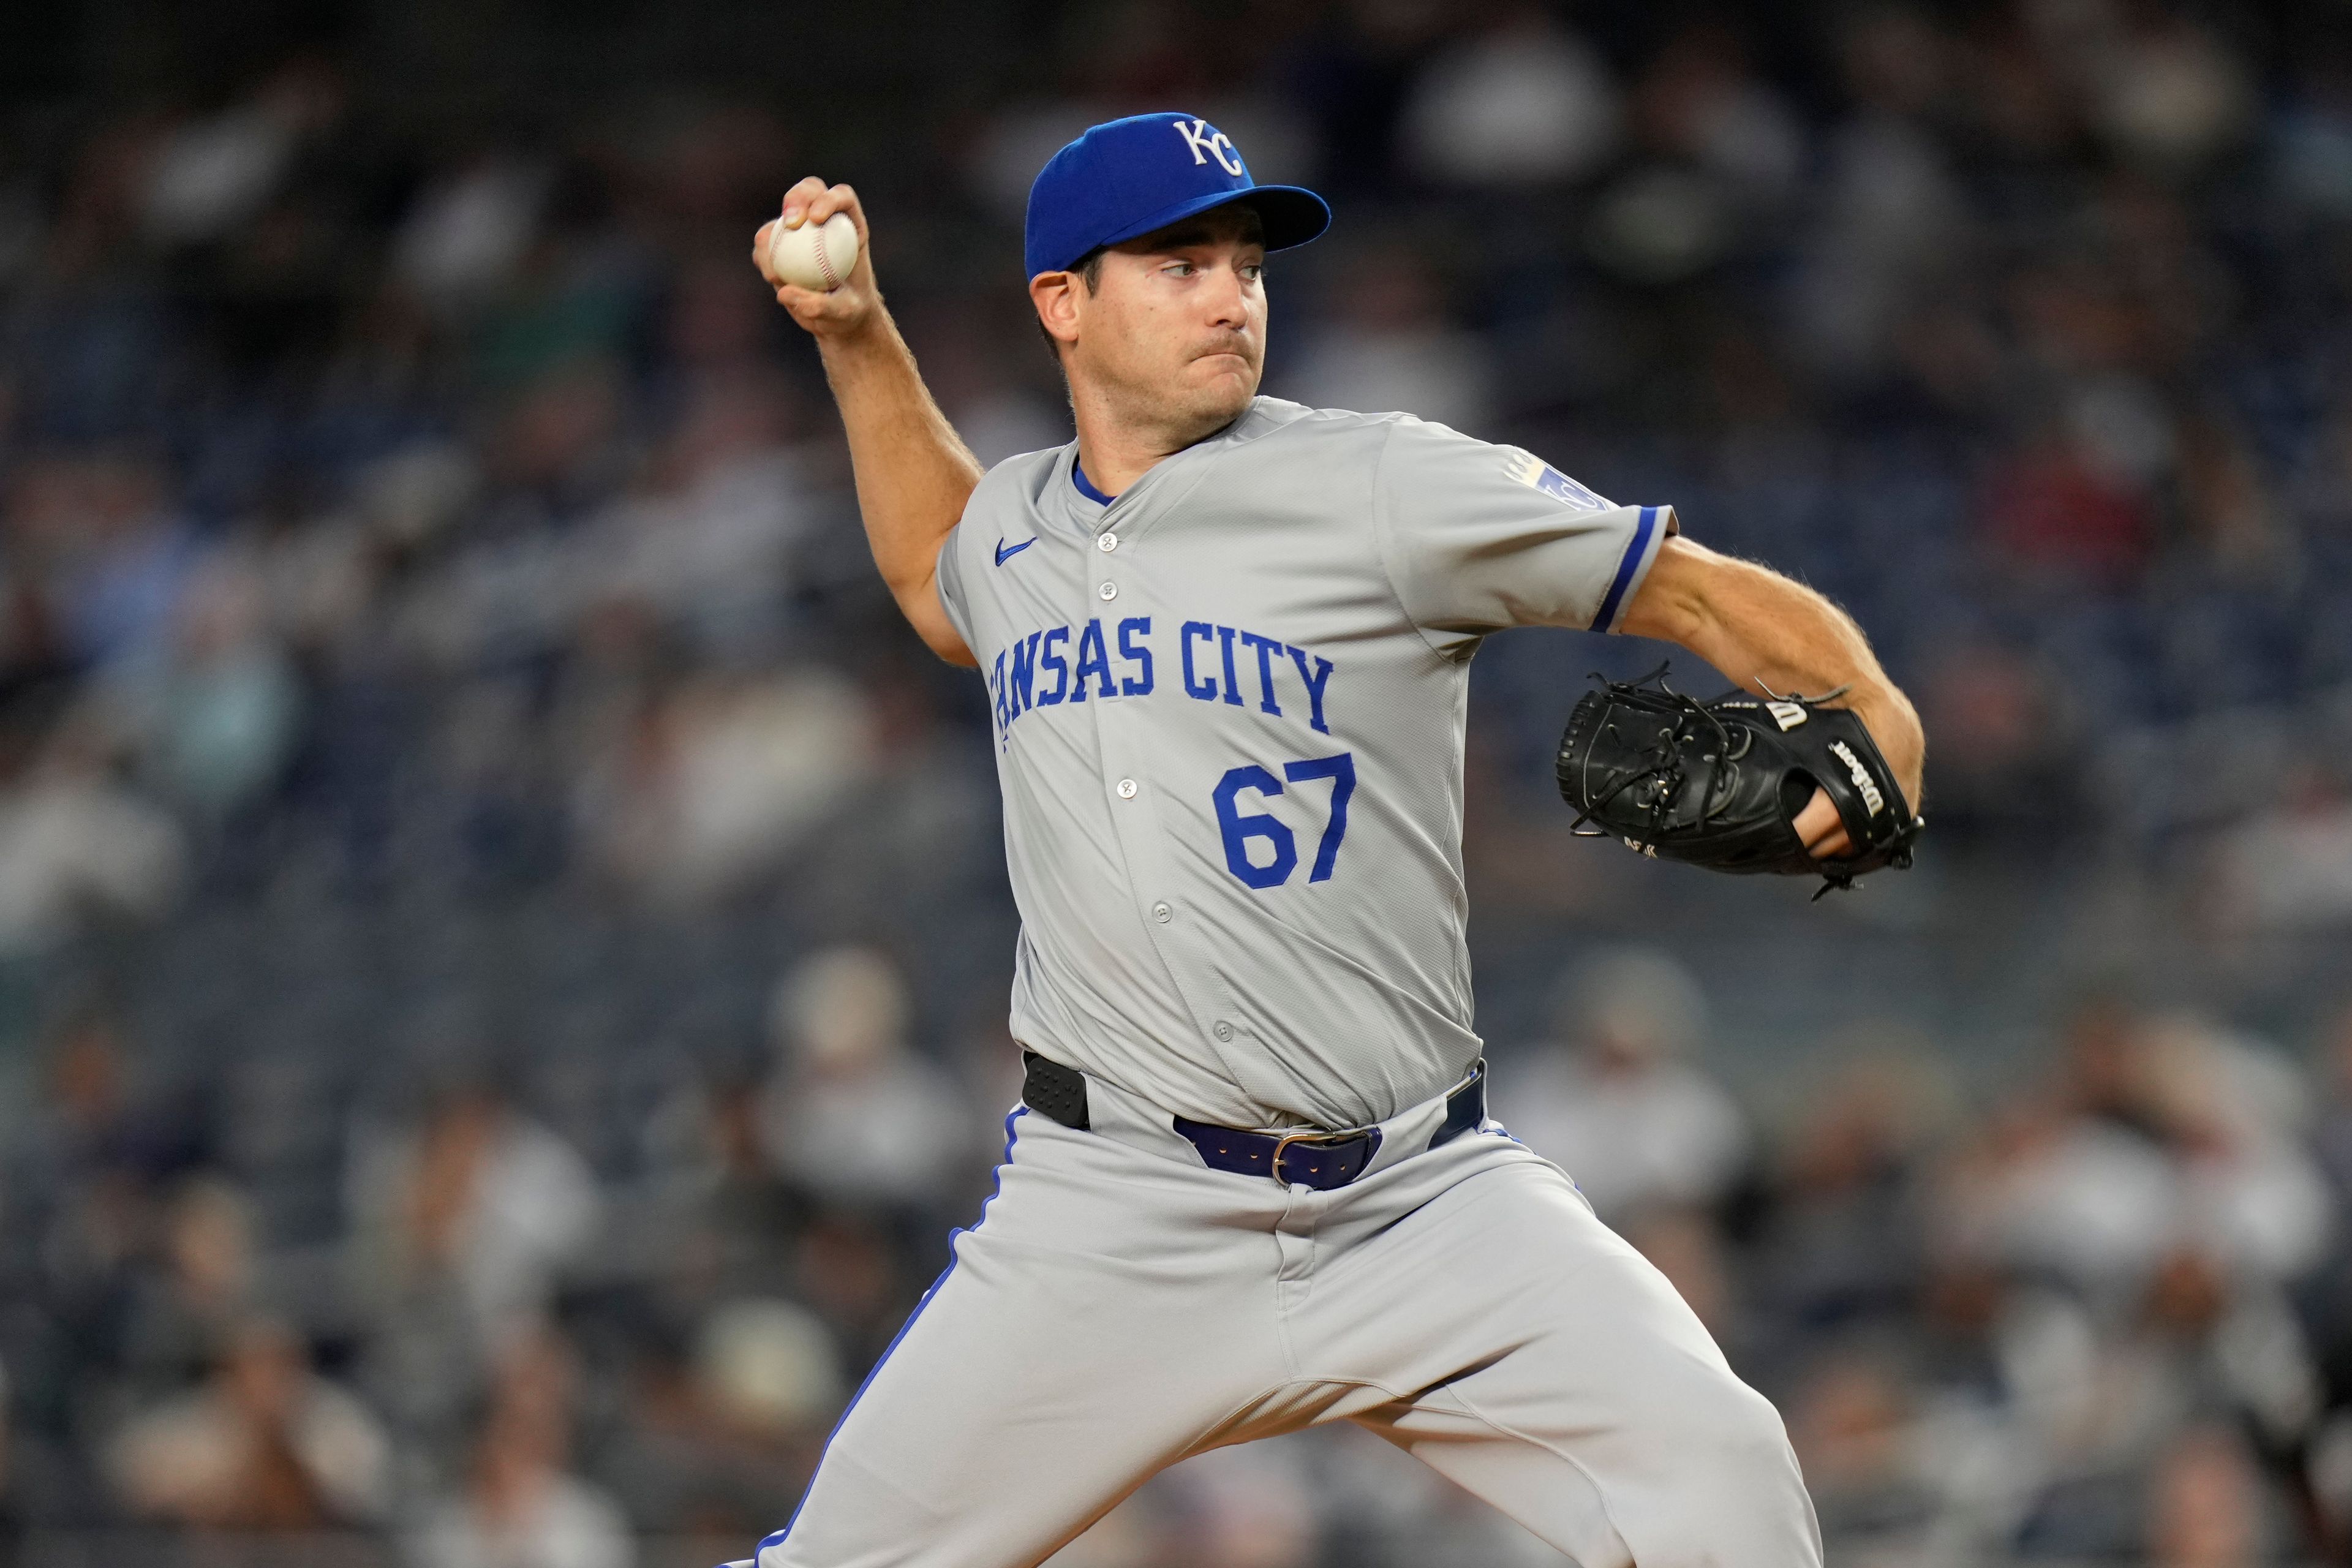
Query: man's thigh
<point x="1090" y="1330"/>
<point x="1539" y="1361"/>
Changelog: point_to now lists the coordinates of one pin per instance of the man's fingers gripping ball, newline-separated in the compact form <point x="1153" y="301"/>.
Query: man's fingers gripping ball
<point x="812" y="255"/>
<point x="1741" y="784"/>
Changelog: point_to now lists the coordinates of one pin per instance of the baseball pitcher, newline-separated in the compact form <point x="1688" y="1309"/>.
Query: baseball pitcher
<point x="1251" y="1185"/>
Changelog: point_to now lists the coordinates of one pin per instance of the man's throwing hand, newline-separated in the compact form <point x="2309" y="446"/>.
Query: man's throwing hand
<point x="834" y="312"/>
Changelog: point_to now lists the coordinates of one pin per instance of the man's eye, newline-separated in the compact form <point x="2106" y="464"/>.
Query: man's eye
<point x="1179" y="266"/>
<point x="1253" y="272"/>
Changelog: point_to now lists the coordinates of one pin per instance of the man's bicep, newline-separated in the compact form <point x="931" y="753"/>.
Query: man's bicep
<point x="935" y="607"/>
<point x="1481" y="537"/>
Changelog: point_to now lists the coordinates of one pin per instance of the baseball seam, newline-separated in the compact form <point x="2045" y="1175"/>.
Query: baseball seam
<point x="824" y="262"/>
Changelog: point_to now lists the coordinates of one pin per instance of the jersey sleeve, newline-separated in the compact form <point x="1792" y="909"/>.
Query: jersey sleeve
<point x="950" y="577"/>
<point x="1479" y="537"/>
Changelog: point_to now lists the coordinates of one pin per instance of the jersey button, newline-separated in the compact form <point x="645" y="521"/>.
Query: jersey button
<point x="1223" y="1030"/>
<point x="1107" y="543"/>
<point x="1162" y="914"/>
<point x="1108" y="591"/>
<point x="1127" y="789"/>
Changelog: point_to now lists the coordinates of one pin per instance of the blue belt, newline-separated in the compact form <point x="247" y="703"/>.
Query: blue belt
<point x="1308" y="1157"/>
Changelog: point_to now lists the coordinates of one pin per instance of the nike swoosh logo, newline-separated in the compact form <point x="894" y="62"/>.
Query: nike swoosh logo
<point x="1003" y="550"/>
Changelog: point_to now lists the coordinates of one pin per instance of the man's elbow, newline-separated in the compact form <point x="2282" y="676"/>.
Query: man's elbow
<point x="919" y="601"/>
<point x="939" y="635"/>
<point x="952" y="648"/>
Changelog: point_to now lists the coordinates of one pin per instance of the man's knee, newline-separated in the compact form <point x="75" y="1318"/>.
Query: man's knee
<point x="1745" y="1431"/>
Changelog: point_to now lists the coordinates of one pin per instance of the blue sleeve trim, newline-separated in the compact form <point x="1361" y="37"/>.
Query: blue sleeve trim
<point x="1627" y="569"/>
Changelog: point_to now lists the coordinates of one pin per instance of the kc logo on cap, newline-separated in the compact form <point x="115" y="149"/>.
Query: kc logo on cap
<point x="1215" y="144"/>
<point x="1125" y="178"/>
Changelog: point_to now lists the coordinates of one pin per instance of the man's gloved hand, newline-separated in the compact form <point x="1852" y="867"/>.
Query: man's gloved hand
<point x="1721" y="784"/>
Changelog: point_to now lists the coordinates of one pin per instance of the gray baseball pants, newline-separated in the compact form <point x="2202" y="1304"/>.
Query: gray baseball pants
<point x="1121" y="1307"/>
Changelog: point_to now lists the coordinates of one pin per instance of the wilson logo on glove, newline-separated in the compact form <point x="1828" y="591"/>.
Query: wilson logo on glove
<point x="1862" y="780"/>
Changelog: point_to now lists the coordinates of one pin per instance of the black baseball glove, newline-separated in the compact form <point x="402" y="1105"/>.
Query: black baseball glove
<point x="1719" y="783"/>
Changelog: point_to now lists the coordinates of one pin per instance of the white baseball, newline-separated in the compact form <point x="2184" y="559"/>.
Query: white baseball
<point x="814" y="256"/>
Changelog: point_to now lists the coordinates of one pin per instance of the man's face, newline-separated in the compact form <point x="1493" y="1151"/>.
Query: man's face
<point x="1172" y="336"/>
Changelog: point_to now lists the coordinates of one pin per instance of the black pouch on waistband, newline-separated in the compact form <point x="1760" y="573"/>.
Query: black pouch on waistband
<point x="1054" y="1091"/>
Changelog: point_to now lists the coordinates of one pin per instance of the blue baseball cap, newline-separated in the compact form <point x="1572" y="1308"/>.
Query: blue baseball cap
<point x="1126" y="177"/>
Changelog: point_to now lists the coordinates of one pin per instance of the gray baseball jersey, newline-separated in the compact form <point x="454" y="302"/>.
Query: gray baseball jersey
<point x="1229" y="709"/>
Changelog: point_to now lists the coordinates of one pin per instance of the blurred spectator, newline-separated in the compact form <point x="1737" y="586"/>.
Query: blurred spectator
<point x="1864" y="1462"/>
<point x="714" y="780"/>
<point x="1520" y="101"/>
<point x="767" y="1370"/>
<point x="204" y="1294"/>
<point x="1843" y="1243"/>
<point x="264" y="1445"/>
<point x="2291" y="865"/>
<point x="219" y="710"/>
<point x="210" y="175"/>
<point x="2164" y="91"/>
<point x="2161" y="1136"/>
<point x="2051" y="512"/>
<point x="1611" y="1098"/>
<point x="75" y="843"/>
<point x="725" y="1436"/>
<point x="1389" y="347"/>
<point x="2206" y="1507"/>
<point x="477" y="1204"/>
<point x="2005" y="734"/>
<point x="115" y="554"/>
<point x="466" y="235"/>
<point x="1892" y="211"/>
<point x="852" y="1114"/>
<point x="708" y="547"/>
<point x="518" y="1508"/>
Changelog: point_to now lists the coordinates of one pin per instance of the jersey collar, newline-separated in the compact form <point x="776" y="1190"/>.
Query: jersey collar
<point x="1071" y="501"/>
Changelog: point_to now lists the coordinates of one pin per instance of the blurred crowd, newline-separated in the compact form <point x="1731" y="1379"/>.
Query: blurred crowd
<point x="502" y="933"/>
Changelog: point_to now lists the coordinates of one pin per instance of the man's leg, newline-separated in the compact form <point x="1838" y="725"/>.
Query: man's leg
<point x="1095" y="1325"/>
<point x="1543" y="1364"/>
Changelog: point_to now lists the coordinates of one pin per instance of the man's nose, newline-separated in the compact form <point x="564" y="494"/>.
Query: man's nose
<point x="1228" y="299"/>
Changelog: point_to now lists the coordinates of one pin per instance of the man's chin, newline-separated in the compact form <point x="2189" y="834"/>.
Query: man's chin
<point x="1191" y="404"/>
<point x="1229" y="388"/>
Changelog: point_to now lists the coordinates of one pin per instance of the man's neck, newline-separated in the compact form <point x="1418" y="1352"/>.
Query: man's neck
<point x="1114" y="459"/>
<point x="1115" y="454"/>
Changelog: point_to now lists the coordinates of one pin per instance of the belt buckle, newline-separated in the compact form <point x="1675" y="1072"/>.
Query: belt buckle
<point x="1314" y="1136"/>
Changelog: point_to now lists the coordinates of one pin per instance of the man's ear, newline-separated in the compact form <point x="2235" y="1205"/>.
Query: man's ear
<point x="1055" y="295"/>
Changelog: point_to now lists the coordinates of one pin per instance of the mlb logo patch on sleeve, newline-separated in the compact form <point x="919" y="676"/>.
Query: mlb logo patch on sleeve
<point x="1536" y="474"/>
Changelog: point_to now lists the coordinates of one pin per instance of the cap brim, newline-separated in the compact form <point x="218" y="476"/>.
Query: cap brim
<point x="1292" y="215"/>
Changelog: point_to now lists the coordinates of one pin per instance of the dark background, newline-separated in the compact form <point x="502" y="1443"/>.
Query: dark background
<point x="503" y="939"/>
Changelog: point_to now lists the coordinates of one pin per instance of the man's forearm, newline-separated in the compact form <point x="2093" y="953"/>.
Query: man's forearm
<point x="1772" y="635"/>
<point x="913" y="472"/>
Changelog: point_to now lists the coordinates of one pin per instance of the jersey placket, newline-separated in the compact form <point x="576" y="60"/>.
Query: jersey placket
<point x="1121" y="588"/>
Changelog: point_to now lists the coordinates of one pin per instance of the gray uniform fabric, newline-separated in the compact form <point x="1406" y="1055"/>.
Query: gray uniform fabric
<point x="1120" y="1307"/>
<point x="1229" y="709"/>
